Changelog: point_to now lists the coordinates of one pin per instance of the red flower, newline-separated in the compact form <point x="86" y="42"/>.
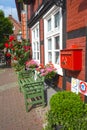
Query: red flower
<point x="6" y="45"/>
<point x="8" y="54"/>
<point x="11" y="38"/>
<point x="26" y="48"/>
<point x="13" y="49"/>
<point x="15" y="58"/>
<point x="11" y="45"/>
<point x="41" y="66"/>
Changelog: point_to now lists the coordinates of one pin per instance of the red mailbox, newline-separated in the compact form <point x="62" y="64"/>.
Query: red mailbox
<point x="71" y="59"/>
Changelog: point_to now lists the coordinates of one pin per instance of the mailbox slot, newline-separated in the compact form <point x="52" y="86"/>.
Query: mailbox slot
<point x="71" y="59"/>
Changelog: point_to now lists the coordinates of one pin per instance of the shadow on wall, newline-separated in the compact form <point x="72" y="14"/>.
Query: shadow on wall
<point x="82" y="6"/>
<point x="71" y="2"/>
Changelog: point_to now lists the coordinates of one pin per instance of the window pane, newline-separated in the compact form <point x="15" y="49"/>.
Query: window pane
<point x="37" y="55"/>
<point x="57" y="42"/>
<point x="34" y="47"/>
<point x="36" y="43"/>
<point x="49" y="44"/>
<point x="49" y="56"/>
<point x="56" y="20"/>
<point x="56" y="57"/>
<point x="34" y="33"/>
<point x="37" y="46"/>
<point x="37" y="32"/>
<point x="49" y="24"/>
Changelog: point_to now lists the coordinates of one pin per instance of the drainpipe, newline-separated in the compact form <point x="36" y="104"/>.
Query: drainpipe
<point x="26" y="22"/>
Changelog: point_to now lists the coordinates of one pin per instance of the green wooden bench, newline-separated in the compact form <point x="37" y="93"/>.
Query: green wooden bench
<point x="24" y="77"/>
<point x="33" y="90"/>
<point x="33" y="94"/>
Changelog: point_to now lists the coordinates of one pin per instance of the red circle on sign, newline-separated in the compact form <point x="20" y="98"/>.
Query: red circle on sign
<point x="82" y="89"/>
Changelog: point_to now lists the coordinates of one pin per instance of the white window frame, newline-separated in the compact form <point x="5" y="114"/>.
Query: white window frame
<point x="35" y="40"/>
<point x="52" y="34"/>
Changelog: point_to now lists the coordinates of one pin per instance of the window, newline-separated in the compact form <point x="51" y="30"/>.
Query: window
<point x="56" y="42"/>
<point x="49" y="44"/>
<point x="37" y="33"/>
<point x="13" y="28"/>
<point x="49" y="25"/>
<point x="56" y="49"/>
<point x="49" y="50"/>
<point x="57" y="20"/>
<point x="34" y="34"/>
<point x="53" y="36"/>
<point x="53" y="49"/>
<point x="35" y="43"/>
<point x="56" y="57"/>
<point x="36" y="51"/>
<point x="49" y="56"/>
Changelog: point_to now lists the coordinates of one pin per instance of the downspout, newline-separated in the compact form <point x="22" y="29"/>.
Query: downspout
<point x="26" y="6"/>
<point x="27" y="23"/>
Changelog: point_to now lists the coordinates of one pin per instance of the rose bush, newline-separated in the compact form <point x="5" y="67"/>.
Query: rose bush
<point x="20" y="52"/>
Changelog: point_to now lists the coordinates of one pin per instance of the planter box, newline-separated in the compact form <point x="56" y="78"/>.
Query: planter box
<point x="52" y="82"/>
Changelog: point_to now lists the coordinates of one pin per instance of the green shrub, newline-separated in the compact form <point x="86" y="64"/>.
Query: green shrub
<point x="67" y="109"/>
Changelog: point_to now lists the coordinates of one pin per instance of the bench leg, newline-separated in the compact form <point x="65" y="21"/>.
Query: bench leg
<point x="43" y="102"/>
<point x="26" y="103"/>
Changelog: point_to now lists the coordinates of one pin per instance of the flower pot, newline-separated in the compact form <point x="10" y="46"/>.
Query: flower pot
<point x="52" y="82"/>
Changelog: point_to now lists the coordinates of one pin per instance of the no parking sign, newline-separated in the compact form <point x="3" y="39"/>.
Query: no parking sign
<point x="83" y="88"/>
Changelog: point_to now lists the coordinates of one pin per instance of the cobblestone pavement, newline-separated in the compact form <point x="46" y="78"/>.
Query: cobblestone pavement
<point x="12" y="109"/>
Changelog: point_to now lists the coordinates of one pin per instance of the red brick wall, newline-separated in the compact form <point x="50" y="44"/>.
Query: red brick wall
<point x="82" y="97"/>
<point x="23" y="21"/>
<point x="41" y="30"/>
<point x="42" y="54"/>
<point x="80" y="43"/>
<point x="29" y="13"/>
<point x="76" y="14"/>
<point x="60" y="78"/>
<point x="16" y="24"/>
<point x="30" y="35"/>
<point x="41" y="40"/>
<point x="35" y="5"/>
<point x="40" y="2"/>
<point x="76" y="19"/>
<point x="68" y="86"/>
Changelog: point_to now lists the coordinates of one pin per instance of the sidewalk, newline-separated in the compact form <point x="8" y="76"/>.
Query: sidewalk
<point x="13" y="115"/>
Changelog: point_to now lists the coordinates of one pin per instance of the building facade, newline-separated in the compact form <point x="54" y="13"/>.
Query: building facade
<point x="16" y="26"/>
<point x="58" y="33"/>
<point x="45" y="23"/>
